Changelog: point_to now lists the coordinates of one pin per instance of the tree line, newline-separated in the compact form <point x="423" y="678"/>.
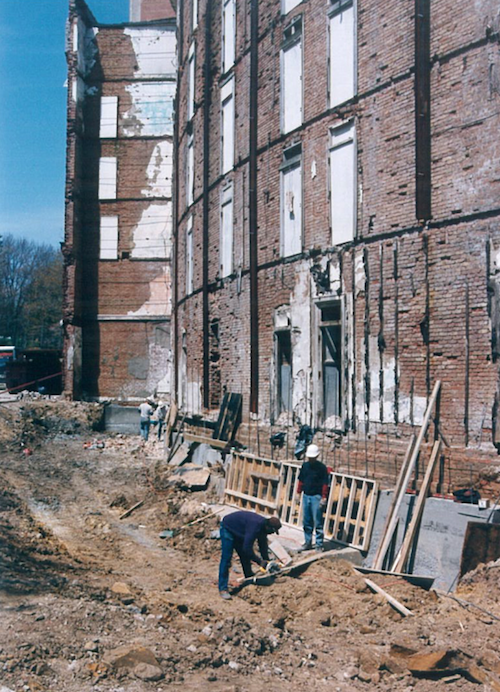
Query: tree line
<point x="30" y="293"/>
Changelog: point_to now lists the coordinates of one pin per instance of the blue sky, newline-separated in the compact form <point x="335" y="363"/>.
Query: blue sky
<point x="33" y="113"/>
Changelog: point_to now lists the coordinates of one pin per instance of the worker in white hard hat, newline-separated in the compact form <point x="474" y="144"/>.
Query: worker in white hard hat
<point x="313" y="483"/>
<point x="161" y="414"/>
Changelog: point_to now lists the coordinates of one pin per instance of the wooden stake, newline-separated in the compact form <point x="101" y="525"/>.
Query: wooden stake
<point x="389" y="522"/>
<point x="394" y="603"/>
<point x="411" y="465"/>
<point x="404" y="551"/>
<point x="132" y="509"/>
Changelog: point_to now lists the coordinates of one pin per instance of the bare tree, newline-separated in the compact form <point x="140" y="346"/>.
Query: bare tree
<point x="30" y="293"/>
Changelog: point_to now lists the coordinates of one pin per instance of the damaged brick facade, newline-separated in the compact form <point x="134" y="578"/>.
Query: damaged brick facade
<point x="344" y="254"/>
<point x="118" y="227"/>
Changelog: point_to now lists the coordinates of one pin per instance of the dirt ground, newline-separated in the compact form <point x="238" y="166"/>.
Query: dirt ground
<point x="90" y="601"/>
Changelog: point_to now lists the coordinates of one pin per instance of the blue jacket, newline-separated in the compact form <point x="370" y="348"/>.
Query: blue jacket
<point x="246" y="527"/>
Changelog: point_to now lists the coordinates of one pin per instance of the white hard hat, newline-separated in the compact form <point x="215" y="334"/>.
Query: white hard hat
<point x="312" y="452"/>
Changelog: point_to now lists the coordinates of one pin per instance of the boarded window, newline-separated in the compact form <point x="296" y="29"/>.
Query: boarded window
<point x="109" y="238"/>
<point x="107" y="177"/>
<point x="288" y="5"/>
<point x="194" y="17"/>
<point x="291" y="202"/>
<point x="343" y="183"/>
<point x="284" y="370"/>
<point x="291" y="77"/>
<point x="190" y="172"/>
<point x="227" y="129"/>
<point x="109" y="117"/>
<point x="191" y="81"/>
<point x="331" y="358"/>
<point x="189" y="256"/>
<point x="342" y="53"/>
<point x="228" y="34"/>
<point x="226" y="236"/>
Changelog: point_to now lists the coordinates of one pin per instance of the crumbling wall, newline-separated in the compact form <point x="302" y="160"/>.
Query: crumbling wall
<point x="418" y="284"/>
<point x="126" y="290"/>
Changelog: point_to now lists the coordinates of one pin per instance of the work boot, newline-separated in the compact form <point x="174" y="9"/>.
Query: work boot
<point x="320" y="549"/>
<point x="225" y="595"/>
<point x="304" y="547"/>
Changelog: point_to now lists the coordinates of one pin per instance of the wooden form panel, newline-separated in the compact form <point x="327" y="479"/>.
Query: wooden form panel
<point x="270" y="487"/>
<point x="350" y="510"/>
<point x="253" y="483"/>
<point x="290" y="502"/>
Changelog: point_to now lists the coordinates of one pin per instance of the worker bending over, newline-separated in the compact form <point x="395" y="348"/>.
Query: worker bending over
<point x="238" y="531"/>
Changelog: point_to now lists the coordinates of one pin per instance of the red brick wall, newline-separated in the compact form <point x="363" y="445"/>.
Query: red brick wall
<point x="420" y="294"/>
<point x="119" y="309"/>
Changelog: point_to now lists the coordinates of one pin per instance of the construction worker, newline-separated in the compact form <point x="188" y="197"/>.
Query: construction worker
<point x="313" y="483"/>
<point x="238" y="531"/>
<point x="161" y="414"/>
<point x="145" y="409"/>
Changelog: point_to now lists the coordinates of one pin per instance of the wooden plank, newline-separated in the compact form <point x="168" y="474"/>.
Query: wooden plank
<point x="409" y="470"/>
<point x="270" y="477"/>
<point x="404" y="551"/>
<point x="352" y="490"/>
<point x="231" y="418"/>
<point x="129" y="511"/>
<point x="385" y="541"/>
<point x="201" y="439"/>
<point x="360" y="521"/>
<point x="222" y="414"/>
<point x="228" y="416"/>
<point x="415" y="579"/>
<point x="248" y="498"/>
<point x="179" y="456"/>
<point x="170" y="422"/>
<point x="370" y="513"/>
<point x="481" y="544"/>
<point x="338" y="513"/>
<point x="265" y="579"/>
<point x="394" y="603"/>
<point x="280" y="552"/>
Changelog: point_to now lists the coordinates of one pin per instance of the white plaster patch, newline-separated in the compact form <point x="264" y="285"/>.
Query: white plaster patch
<point x="159" y="300"/>
<point x="374" y="403"/>
<point x="389" y="389"/>
<point x="359" y="273"/>
<point x="154" y="51"/>
<point x="152" y="110"/>
<point x="334" y="275"/>
<point x="300" y="317"/>
<point x="152" y="237"/>
<point x="159" y="171"/>
<point x="419" y="407"/>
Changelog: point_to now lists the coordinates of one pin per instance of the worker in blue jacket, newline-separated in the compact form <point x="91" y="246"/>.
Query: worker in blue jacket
<point x="238" y="531"/>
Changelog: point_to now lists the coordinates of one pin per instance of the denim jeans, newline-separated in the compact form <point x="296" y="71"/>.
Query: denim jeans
<point x="145" y="423"/>
<point x="312" y="519"/>
<point x="228" y="543"/>
<point x="160" y="428"/>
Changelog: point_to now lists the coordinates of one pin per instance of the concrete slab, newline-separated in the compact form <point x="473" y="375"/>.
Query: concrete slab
<point x="121" y="419"/>
<point x="440" y="539"/>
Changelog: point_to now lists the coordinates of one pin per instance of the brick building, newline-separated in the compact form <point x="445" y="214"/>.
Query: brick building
<point x="118" y="224"/>
<point x="337" y="239"/>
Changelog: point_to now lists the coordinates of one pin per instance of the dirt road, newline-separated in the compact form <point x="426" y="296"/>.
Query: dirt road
<point x="89" y="601"/>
